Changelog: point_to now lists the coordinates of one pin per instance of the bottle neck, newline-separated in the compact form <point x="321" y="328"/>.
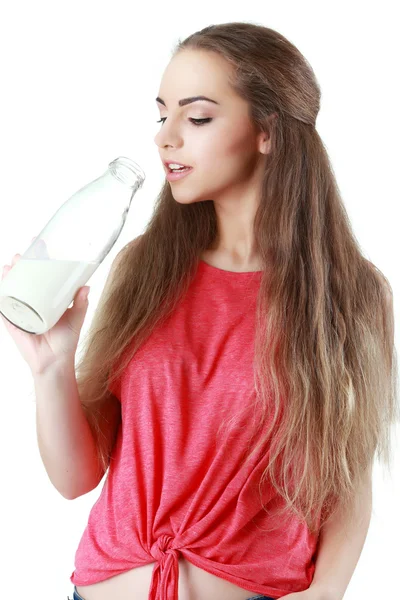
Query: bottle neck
<point x="127" y="171"/>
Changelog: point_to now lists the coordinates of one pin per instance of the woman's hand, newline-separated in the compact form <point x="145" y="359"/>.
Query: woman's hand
<point x="59" y="344"/>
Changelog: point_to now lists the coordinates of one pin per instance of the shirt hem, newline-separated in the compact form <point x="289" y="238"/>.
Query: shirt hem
<point x="188" y="555"/>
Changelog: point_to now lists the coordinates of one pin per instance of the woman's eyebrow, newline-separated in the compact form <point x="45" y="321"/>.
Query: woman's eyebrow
<point x="185" y="101"/>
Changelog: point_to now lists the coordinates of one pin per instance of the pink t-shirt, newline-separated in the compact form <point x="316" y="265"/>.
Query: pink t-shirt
<point x="174" y="487"/>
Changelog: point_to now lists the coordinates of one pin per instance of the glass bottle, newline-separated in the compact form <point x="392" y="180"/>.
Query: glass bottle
<point x="39" y="288"/>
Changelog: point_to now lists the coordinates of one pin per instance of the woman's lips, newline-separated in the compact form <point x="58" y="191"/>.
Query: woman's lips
<point x="171" y="162"/>
<point x="174" y="176"/>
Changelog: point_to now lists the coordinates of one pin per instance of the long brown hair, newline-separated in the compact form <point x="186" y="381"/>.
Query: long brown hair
<point x="325" y="327"/>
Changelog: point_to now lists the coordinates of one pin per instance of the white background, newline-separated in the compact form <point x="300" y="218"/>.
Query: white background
<point x="79" y="82"/>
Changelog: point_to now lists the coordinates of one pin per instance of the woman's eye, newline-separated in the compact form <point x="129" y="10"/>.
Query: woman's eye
<point x="194" y="121"/>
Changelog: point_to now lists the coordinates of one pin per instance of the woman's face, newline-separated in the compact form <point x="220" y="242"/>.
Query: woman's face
<point x="224" y="150"/>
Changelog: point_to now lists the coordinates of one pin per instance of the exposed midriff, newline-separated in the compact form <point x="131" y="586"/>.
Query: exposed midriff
<point x="193" y="584"/>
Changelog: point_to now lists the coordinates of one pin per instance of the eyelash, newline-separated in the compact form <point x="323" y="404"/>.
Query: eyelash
<point x="197" y="122"/>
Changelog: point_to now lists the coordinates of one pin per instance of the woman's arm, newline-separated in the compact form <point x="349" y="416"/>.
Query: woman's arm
<point x="340" y="545"/>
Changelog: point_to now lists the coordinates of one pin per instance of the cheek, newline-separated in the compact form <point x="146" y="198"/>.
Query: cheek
<point x="241" y="145"/>
<point x="242" y="154"/>
<point x="221" y="152"/>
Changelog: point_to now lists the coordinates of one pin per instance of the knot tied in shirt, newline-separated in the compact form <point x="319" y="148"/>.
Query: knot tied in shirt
<point x="166" y="570"/>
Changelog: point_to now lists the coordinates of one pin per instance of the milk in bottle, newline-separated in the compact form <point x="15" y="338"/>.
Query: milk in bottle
<point x="40" y="287"/>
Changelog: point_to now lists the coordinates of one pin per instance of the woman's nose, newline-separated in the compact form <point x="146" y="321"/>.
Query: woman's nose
<point x="168" y="134"/>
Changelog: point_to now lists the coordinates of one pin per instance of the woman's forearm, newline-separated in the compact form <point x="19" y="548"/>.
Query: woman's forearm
<point x="340" y="545"/>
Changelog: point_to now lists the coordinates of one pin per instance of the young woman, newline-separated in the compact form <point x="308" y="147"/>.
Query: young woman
<point x="239" y="373"/>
